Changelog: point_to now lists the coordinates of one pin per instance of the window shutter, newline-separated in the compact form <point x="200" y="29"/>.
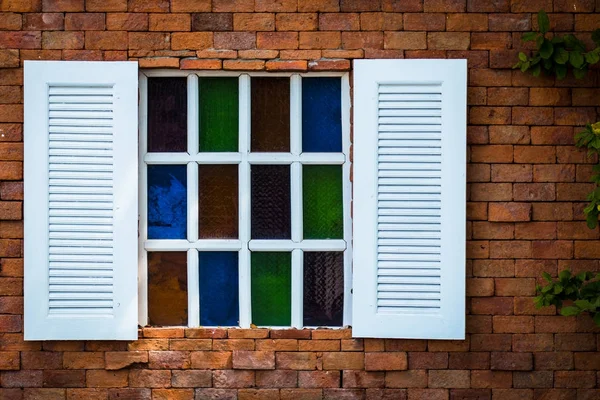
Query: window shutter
<point x="80" y="207"/>
<point x="409" y="198"/>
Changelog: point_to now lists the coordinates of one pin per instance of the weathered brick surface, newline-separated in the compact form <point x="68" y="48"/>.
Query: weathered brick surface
<point x="526" y="193"/>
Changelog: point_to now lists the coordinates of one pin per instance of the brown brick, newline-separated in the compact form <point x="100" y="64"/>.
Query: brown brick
<point x="11" y="22"/>
<point x="535" y="154"/>
<point x="83" y="360"/>
<point x="62" y="5"/>
<point x="339" y="22"/>
<point x="533" y="379"/>
<point x="406" y="379"/>
<point x="194" y="40"/>
<point x="549" y="97"/>
<point x="149" y="41"/>
<point x="491" y="342"/>
<point x="277" y="379"/>
<point x="293" y="360"/>
<point x="144" y="378"/>
<point x="169" y="22"/>
<point x="214" y="22"/>
<point x="509" y="22"/>
<point x="84" y="22"/>
<point x="470" y="360"/>
<point x="577" y="116"/>
<point x="190" y="5"/>
<point x="493" y="268"/>
<point x="362" y="40"/>
<point x="405" y="40"/>
<point x="120" y="360"/>
<point x="490" y="41"/>
<point x="234" y="40"/>
<point x="467" y="22"/>
<point x="491" y="192"/>
<point x="211" y="359"/>
<point x="127" y="22"/>
<point x="343" y="360"/>
<point x="489" y="77"/>
<point x="554" y="324"/>
<point x="200" y="64"/>
<point x="277" y="40"/>
<point x="492" y="153"/>
<point x="448" y="345"/>
<point x="492" y="306"/>
<point x="490" y="115"/>
<point x="449" y="379"/>
<point x="503" y="96"/>
<point x="106" y="5"/>
<point x="510" y="212"/>
<point x="233" y="379"/>
<point x="511" y="361"/>
<point x="62" y="40"/>
<point x="448" y="40"/>
<point x="511" y="173"/>
<point x="148" y="6"/>
<point x="478" y="173"/>
<point x="535" y="230"/>
<point x="424" y="22"/>
<point x="585" y="97"/>
<point x="169" y="359"/>
<point x="513" y="324"/>
<point x="296" y="22"/>
<point x="100" y="378"/>
<point x="244" y="65"/>
<point x="387" y="361"/>
<point x="106" y="40"/>
<point x="491" y="379"/>
<point x="253" y="359"/>
<point x="252" y="21"/>
<point x="63" y="378"/>
<point x="319" y="379"/>
<point x="574" y="379"/>
<point x="320" y="40"/>
<point x="45" y="21"/>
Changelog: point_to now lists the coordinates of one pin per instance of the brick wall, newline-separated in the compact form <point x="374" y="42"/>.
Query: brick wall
<point x="527" y="183"/>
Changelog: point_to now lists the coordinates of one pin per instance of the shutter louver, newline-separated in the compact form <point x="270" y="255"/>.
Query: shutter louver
<point x="409" y="198"/>
<point x="80" y="215"/>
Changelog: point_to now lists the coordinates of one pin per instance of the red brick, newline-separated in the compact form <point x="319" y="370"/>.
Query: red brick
<point x="277" y="379"/>
<point x="574" y="379"/>
<point x="534" y="379"/>
<point x="444" y="5"/>
<point x="244" y="65"/>
<point x="339" y="22"/>
<point x="20" y="40"/>
<point x="491" y="191"/>
<point x="253" y="359"/>
<point x="343" y="360"/>
<point x="106" y="40"/>
<point x="64" y="378"/>
<point x="406" y="379"/>
<point x="490" y="115"/>
<point x="424" y="22"/>
<point x="511" y="173"/>
<point x="554" y="324"/>
<point x="578" y="342"/>
<point x="578" y="116"/>
<point x="535" y="154"/>
<point x="107" y="5"/>
<point x="494" y="268"/>
<point x="148" y="6"/>
<point x="84" y="22"/>
<point x="62" y="5"/>
<point x="234" y="40"/>
<point x="296" y="360"/>
<point x="319" y="379"/>
<point x="319" y="5"/>
<point x="509" y="22"/>
<point x="491" y="342"/>
<point x="100" y="378"/>
<point x="515" y="286"/>
<point x="169" y="22"/>
<point x="513" y="324"/>
<point x="277" y="40"/>
<point x="119" y="360"/>
<point x="585" y="97"/>
<point x="535" y="230"/>
<point x="449" y="379"/>
<point x="491" y="379"/>
<point x="362" y="40"/>
<point x="45" y="21"/>
<point x="470" y="360"/>
<point x="503" y="96"/>
<point x="278" y="6"/>
<point x="320" y="40"/>
<point x="490" y="41"/>
<point x="83" y="360"/>
<point x="194" y="40"/>
<point x="329" y="65"/>
<point x="425" y="360"/>
<point x="405" y="40"/>
<point x="467" y="22"/>
<point x="448" y="345"/>
<point x="510" y="212"/>
<point x="489" y="77"/>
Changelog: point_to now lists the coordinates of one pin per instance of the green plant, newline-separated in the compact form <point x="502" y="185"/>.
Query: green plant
<point x="590" y="138"/>
<point x="556" y="55"/>
<point x="583" y="290"/>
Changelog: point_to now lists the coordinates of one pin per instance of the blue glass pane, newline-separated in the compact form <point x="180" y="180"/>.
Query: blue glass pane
<point x="219" y="300"/>
<point x="321" y="115"/>
<point x="167" y="202"/>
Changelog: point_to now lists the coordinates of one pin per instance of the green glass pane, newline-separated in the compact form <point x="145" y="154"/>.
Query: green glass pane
<point x="323" y="202"/>
<point x="218" y="114"/>
<point x="271" y="279"/>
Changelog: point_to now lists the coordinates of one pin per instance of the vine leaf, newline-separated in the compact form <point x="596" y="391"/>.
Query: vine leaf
<point x="543" y="21"/>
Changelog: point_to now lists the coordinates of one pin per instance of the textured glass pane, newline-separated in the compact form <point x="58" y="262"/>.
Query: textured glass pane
<point x="321" y="115"/>
<point x="167" y="114"/>
<point x="167" y="288"/>
<point x="219" y="300"/>
<point x="219" y="114"/>
<point x="167" y="202"/>
<point x="270" y="214"/>
<point x="322" y="202"/>
<point x="271" y="280"/>
<point x="270" y="114"/>
<point x="218" y="201"/>
<point x="323" y="288"/>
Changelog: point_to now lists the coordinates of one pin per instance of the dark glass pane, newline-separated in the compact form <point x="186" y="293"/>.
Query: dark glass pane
<point x="167" y="288"/>
<point x="271" y="208"/>
<point x="323" y="288"/>
<point x="218" y="201"/>
<point x="167" y="202"/>
<point x="271" y="285"/>
<point x="219" y="114"/>
<point x="321" y="115"/>
<point x="270" y="114"/>
<point x="322" y="202"/>
<point x="167" y="114"/>
<point x="219" y="299"/>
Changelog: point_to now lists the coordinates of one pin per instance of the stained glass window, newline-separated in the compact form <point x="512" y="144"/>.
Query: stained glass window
<point x="245" y="193"/>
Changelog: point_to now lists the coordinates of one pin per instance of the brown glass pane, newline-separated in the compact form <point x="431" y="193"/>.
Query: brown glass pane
<point x="270" y="197"/>
<point x="167" y="114"/>
<point x="167" y="288"/>
<point x="218" y="201"/>
<point x="270" y="114"/>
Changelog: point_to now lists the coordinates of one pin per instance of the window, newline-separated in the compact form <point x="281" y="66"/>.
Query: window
<point x="252" y="200"/>
<point x="244" y="198"/>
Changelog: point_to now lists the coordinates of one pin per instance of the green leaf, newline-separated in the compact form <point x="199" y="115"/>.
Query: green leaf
<point x="569" y="311"/>
<point x="579" y="73"/>
<point x="524" y="66"/>
<point x="592" y="57"/>
<point x="558" y="39"/>
<point x="539" y="40"/>
<point x="570" y="41"/>
<point x="576" y="59"/>
<point x="546" y="49"/>
<point x="561" y="56"/>
<point x="561" y="71"/>
<point x="591" y="221"/>
<point x="596" y="319"/>
<point x="522" y="56"/>
<point x="543" y="21"/>
<point x="565" y="274"/>
<point x="546" y="276"/>
<point x="536" y="70"/>
<point x="558" y="288"/>
<point x="529" y="36"/>
<point x="596" y="37"/>
<point x="584" y="305"/>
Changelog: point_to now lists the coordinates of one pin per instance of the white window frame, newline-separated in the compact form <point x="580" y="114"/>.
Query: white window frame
<point x="244" y="158"/>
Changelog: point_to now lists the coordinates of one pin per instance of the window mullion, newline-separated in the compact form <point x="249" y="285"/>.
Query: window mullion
<point x="143" y="204"/>
<point x="244" y="202"/>
<point x="296" y="198"/>
<point x="347" y="193"/>
<point x="193" y="276"/>
<point x="192" y="168"/>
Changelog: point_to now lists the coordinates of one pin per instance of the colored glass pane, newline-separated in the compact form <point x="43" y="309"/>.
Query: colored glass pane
<point x="167" y="202"/>
<point x="322" y="202"/>
<point x="271" y="286"/>
<point x="271" y="208"/>
<point x="219" y="114"/>
<point x="321" y="115"/>
<point x="323" y="288"/>
<point x="218" y="201"/>
<point x="219" y="299"/>
<point x="270" y="114"/>
<point x="167" y="288"/>
<point x="167" y="114"/>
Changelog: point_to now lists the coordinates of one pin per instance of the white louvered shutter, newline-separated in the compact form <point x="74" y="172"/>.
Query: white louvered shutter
<point x="409" y="198"/>
<point x="80" y="207"/>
